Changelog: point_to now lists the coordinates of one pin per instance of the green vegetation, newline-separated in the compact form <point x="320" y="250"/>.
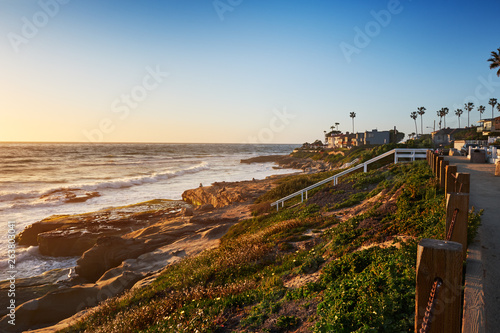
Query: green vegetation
<point x="339" y="156"/>
<point x="309" y="266"/>
<point x="470" y="134"/>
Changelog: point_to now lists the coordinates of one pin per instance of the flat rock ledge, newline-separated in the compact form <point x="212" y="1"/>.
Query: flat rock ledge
<point x="72" y="235"/>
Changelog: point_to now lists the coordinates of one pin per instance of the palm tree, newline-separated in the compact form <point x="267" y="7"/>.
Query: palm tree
<point x="492" y="102"/>
<point x="352" y="115"/>
<point x="421" y="112"/>
<point x="414" y="116"/>
<point x="495" y="60"/>
<point x="459" y="112"/>
<point x="468" y="106"/>
<point x="445" y="112"/>
<point x="440" y="115"/>
<point x="481" y="109"/>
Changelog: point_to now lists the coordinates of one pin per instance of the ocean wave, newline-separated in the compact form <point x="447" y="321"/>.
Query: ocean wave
<point x="19" y="196"/>
<point x="30" y="262"/>
<point x="139" y="180"/>
<point x="119" y="183"/>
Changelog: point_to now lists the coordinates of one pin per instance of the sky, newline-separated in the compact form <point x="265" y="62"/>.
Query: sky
<point x="239" y="71"/>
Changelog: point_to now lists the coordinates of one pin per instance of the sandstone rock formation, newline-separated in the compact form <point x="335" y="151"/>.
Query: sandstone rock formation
<point x="223" y="194"/>
<point x="72" y="235"/>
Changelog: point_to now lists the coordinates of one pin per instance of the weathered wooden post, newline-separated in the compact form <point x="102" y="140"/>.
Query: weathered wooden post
<point x="439" y="261"/>
<point x="463" y="183"/>
<point x="438" y="166"/>
<point x="434" y="162"/>
<point x="451" y="171"/>
<point x="457" y="216"/>
<point x="442" y="173"/>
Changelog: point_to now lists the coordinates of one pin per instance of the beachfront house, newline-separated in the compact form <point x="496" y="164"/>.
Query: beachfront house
<point x="489" y="126"/>
<point x="335" y="140"/>
<point x="349" y="140"/>
<point x="373" y="137"/>
<point x="341" y="140"/>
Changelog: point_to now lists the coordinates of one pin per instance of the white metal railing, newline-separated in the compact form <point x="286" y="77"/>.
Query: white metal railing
<point x="399" y="153"/>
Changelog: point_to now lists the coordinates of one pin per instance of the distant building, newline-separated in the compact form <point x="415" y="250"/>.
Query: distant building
<point x="349" y="140"/>
<point x="374" y="137"/>
<point x="342" y="140"/>
<point x="360" y="139"/>
<point x="489" y="125"/>
<point x="444" y="136"/>
<point x="335" y="141"/>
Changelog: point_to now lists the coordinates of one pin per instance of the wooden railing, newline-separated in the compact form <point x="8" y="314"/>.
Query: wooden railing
<point x="438" y="300"/>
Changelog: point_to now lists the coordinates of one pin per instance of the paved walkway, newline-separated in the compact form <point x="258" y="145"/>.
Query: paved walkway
<point x="485" y="194"/>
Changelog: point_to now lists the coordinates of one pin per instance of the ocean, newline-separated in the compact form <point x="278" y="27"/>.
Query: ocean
<point x="38" y="180"/>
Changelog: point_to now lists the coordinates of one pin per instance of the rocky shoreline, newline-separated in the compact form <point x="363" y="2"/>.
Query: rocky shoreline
<point x="126" y="247"/>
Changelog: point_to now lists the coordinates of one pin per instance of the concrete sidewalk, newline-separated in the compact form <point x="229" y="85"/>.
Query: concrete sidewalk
<point x="484" y="194"/>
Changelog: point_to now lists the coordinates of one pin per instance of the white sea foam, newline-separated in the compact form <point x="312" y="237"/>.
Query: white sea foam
<point x="119" y="183"/>
<point x="29" y="262"/>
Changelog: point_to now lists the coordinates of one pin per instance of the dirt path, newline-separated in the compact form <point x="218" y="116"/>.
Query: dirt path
<point x="485" y="194"/>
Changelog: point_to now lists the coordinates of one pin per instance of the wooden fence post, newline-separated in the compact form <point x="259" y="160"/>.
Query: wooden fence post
<point x="438" y="166"/>
<point x="443" y="260"/>
<point x="451" y="171"/>
<point x="459" y="201"/>
<point x="442" y="173"/>
<point x="463" y="183"/>
<point x="434" y="159"/>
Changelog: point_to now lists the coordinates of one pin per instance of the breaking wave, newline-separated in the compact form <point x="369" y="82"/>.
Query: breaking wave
<point x="118" y="183"/>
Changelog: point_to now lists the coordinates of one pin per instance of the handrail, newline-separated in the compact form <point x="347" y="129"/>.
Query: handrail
<point x="414" y="153"/>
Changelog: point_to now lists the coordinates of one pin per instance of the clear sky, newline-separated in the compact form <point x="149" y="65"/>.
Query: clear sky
<point x="238" y="70"/>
